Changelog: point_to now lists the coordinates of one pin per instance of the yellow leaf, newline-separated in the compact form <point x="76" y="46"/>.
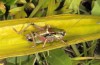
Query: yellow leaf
<point x="78" y="28"/>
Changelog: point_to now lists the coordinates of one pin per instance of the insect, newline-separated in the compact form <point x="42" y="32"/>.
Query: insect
<point x="44" y="34"/>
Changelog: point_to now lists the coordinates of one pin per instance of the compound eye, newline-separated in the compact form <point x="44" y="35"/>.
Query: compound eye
<point x="64" y="33"/>
<point x="29" y="38"/>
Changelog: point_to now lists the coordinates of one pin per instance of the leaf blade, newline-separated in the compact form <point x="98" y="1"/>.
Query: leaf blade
<point x="13" y="44"/>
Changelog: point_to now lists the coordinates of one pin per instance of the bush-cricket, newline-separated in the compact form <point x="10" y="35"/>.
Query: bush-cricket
<point x="43" y="34"/>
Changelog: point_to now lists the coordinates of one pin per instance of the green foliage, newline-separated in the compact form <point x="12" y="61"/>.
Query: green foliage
<point x="2" y="8"/>
<point x="59" y="57"/>
<point x="79" y="29"/>
<point x="23" y="60"/>
<point x="96" y="7"/>
<point x="9" y="2"/>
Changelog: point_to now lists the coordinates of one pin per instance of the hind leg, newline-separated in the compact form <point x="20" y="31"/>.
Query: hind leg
<point x="40" y="28"/>
<point x="33" y="38"/>
<point x="44" y="43"/>
<point x="65" y="42"/>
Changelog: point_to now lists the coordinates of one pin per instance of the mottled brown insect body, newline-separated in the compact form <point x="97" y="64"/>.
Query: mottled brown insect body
<point x="44" y="34"/>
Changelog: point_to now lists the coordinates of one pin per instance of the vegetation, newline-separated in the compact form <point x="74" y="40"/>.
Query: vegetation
<point x="78" y="18"/>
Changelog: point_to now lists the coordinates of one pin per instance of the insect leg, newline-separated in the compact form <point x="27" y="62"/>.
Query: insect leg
<point x="16" y="31"/>
<point x="46" y="27"/>
<point x="37" y="27"/>
<point x="21" y="30"/>
<point x="62" y="41"/>
<point x="33" y="40"/>
<point x="44" y="42"/>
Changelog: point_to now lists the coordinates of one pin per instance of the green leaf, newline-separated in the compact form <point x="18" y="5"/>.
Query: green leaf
<point x="51" y="9"/>
<point x="98" y="1"/>
<point x="65" y="9"/>
<point x="21" y="14"/>
<point x="78" y="28"/>
<point x="9" y="2"/>
<point x="95" y="62"/>
<point x="95" y="10"/>
<point x="23" y="60"/>
<point x="45" y="5"/>
<point x="18" y="12"/>
<point x="29" y="5"/>
<point x="21" y="1"/>
<point x="2" y="8"/>
<point x="75" y="5"/>
<point x="59" y="57"/>
<point x="40" y="3"/>
<point x="15" y="10"/>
